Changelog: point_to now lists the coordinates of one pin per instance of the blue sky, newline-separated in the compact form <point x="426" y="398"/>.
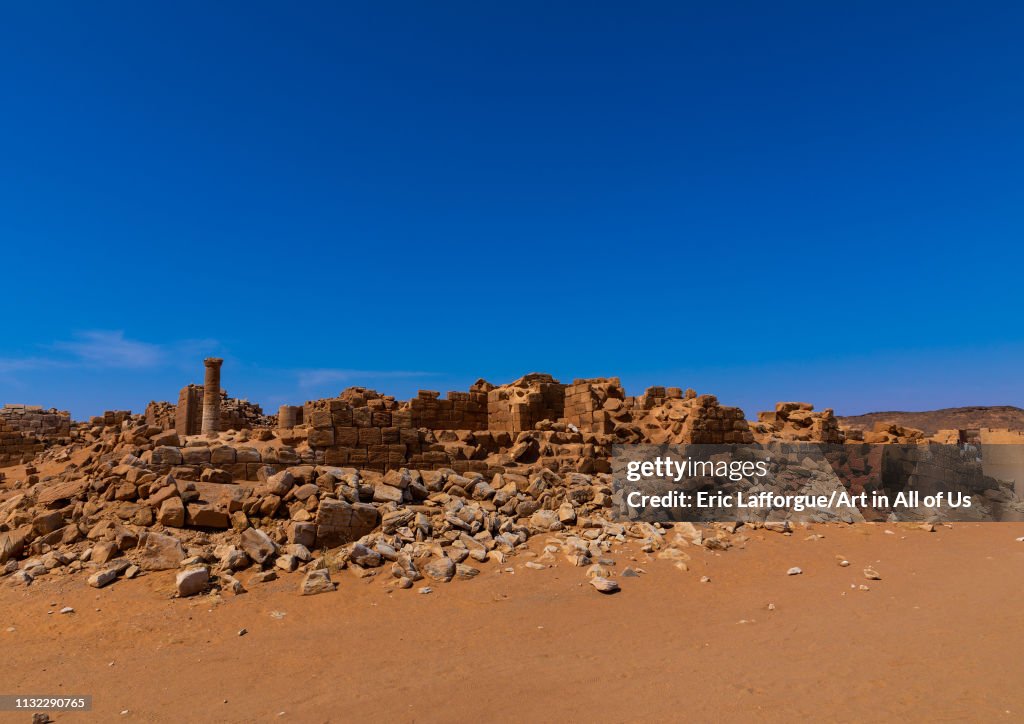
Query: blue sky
<point x="806" y="201"/>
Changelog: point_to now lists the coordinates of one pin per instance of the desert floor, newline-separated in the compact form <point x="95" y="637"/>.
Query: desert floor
<point x="940" y="637"/>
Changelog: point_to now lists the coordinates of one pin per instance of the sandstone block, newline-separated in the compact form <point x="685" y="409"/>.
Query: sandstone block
<point x="338" y="522"/>
<point x="192" y="581"/>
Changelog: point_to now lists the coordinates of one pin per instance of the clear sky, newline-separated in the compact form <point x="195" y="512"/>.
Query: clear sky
<point x="817" y="201"/>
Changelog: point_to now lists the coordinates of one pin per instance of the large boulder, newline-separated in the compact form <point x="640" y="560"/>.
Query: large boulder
<point x="339" y="522"/>
<point x="160" y="552"/>
<point x="258" y="545"/>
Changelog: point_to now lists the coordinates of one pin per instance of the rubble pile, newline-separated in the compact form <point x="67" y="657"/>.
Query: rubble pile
<point x="404" y="490"/>
<point x="889" y="433"/>
<point x="798" y="422"/>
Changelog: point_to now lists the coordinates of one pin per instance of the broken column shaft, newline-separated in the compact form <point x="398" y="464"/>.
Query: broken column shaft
<point x="211" y="395"/>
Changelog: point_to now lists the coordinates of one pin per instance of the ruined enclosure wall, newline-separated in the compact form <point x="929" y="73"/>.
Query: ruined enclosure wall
<point x="235" y="414"/>
<point x="798" y="422"/>
<point x="16" y="446"/>
<point x="594" y="405"/>
<point x="44" y="424"/>
<point x="521" y="405"/>
<point x="697" y="419"/>
<point x="161" y="414"/>
<point x="365" y="436"/>
<point x="289" y="416"/>
<point x="110" y="418"/>
<point x="459" y="411"/>
<point x="189" y="413"/>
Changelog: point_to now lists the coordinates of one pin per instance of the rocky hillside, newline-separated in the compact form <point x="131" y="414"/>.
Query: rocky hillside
<point x="950" y="418"/>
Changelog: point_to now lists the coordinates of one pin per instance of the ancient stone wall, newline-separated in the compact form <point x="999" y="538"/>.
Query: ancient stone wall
<point x="365" y="435"/>
<point x="699" y="419"/>
<point x="522" y="404"/>
<point x="289" y="416"/>
<point x="16" y="446"/>
<point x="45" y="424"/>
<point x="596" y="405"/>
<point x="798" y="422"/>
<point x="188" y="416"/>
<point x="161" y="414"/>
<point x="110" y="418"/>
<point x="459" y="411"/>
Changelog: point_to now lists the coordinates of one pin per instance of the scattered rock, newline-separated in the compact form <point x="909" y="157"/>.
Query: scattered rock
<point x="604" y="585"/>
<point x="102" y="578"/>
<point x="160" y="552"/>
<point x="257" y="544"/>
<point x="192" y="581"/>
<point x="441" y="569"/>
<point x="317" y="581"/>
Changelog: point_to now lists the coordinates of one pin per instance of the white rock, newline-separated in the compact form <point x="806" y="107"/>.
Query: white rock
<point x="192" y="581"/>
<point x="102" y="578"/>
<point x="604" y="585"/>
<point x="794" y="571"/>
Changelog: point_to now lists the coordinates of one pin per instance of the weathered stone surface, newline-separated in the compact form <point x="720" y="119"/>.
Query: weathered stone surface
<point x="280" y="483"/>
<point x="102" y="578"/>
<point x="387" y="494"/>
<point x="192" y="580"/>
<point x="172" y="513"/>
<point x="318" y="581"/>
<point x="365" y="557"/>
<point x="604" y="585"/>
<point x="441" y="569"/>
<point x="103" y="552"/>
<point x="206" y="516"/>
<point x="160" y="552"/>
<point x="12" y="544"/>
<point x="55" y="495"/>
<point x="302" y="533"/>
<point x="258" y="544"/>
<point x="339" y="522"/>
<point x="47" y="522"/>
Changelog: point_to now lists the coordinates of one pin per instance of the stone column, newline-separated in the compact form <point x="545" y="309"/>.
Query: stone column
<point x="289" y="416"/>
<point x="211" y="395"/>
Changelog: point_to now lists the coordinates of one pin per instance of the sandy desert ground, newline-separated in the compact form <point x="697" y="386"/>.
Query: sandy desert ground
<point x="939" y="637"/>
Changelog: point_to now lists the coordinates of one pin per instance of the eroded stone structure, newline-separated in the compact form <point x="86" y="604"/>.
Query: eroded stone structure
<point x="44" y="424"/>
<point x="211" y="395"/>
<point x="17" y="446"/>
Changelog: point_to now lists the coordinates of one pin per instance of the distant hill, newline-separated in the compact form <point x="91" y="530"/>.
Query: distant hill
<point x="950" y="418"/>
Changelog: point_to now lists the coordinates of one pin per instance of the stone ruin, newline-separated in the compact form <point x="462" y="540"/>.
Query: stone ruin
<point x="17" y="446"/>
<point x="418" y="488"/>
<point x="798" y="422"/>
<point x="43" y="424"/>
<point x="186" y="416"/>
